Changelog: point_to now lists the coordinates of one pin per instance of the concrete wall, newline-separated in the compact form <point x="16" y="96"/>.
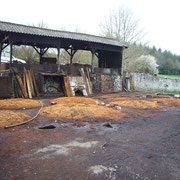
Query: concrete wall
<point x="146" y="81"/>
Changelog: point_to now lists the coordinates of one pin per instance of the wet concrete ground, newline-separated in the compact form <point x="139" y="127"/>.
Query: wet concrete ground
<point x="137" y="148"/>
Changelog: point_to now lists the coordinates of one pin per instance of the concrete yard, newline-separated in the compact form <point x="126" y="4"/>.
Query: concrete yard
<point x="142" y="144"/>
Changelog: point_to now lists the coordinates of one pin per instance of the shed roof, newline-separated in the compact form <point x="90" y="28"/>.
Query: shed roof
<point x="6" y="27"/>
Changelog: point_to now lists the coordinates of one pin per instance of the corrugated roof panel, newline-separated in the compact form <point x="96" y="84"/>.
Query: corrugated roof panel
<point x="18" y="28"/>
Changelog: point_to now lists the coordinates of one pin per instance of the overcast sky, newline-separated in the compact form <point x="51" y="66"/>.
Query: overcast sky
<point x="159" y="18"/>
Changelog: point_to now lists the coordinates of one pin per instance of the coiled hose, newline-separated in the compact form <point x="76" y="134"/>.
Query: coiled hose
<point x="27" y="120"/>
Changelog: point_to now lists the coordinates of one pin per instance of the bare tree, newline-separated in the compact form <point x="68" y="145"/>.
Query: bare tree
<point x="80" y="57"/>
<point x="122" y="25"/>
<point x="28" y="53"/>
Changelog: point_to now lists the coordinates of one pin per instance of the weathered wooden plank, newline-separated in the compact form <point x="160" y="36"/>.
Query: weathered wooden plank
<point x="31" y="83"/>
<point x="84" y="79"/>
<point x="34" y="82"/>
<point x="25" y="83"/>
<point x="21" y="85"/>
<point x="68" y="86"/>
<point x="90" y="84"/>
<point x="28" y="85"/>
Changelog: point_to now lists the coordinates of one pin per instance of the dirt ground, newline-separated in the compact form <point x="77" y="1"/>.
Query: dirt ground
<point x="143" y="144"/>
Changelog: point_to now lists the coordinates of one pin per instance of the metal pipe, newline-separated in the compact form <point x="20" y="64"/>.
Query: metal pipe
<point x="27" y="120"/>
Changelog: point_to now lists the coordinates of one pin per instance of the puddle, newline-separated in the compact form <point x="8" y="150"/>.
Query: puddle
<point x="48" y="127"/>
<point x="108" y="125"/>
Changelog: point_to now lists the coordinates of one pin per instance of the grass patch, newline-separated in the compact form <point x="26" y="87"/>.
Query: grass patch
<point x="169" y="76"/>
<point x="160" y="91"/>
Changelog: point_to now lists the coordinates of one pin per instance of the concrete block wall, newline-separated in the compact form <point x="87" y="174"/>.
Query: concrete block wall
<point x="147" y="81"/>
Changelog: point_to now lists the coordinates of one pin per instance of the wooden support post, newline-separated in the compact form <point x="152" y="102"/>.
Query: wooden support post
<point x="0" y="51"/>
<point x="58" y="59"/>
<point x="11" y="52"/>
<point x="41" y="52"/>
<point x="71" y="56"/>
<point x="122" y="57"/>
<point x="92" y="62"/>
<point x="40" y="55"/>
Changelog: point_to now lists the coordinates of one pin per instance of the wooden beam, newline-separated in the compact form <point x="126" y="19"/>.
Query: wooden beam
<point x="36" y="49"/>
<point x="11" y="52"/>
<point x="28" y="85"/>
<point x="68" y="86"/>
<point x="5" y="39"/>
<point x="25" y="83"/>
<point x="3" y="47"/>
<point x="40" y="55"/>
<point x="21" y="86"/>
<point x="34" y="82"/>
<point x="0" y="51"/>
<point x="68" y="52"/>
<point x="45" y="50"/>
<point x="71" y="53"/>
<point x="42" y="50"/>
<point x="96" y="54"/>
<point x="92" y="61"/>
<point x="58" y="58"/>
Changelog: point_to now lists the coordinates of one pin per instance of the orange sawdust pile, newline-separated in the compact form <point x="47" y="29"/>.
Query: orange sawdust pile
<point x="80" y="111"/>
<point x="10" y="117"/>
<point x="135" y="104"/>
<point x="168" y="101"/>
<point x="19" y="103"/>
<point x="119" y="99"/>
<point x="109" y="95"/>
<point x="82" y="100"/>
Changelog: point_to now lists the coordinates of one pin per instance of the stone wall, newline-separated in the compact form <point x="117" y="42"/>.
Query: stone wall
<point x="101" y="83"/>
<point x="147" y="81"/>
<point x="104" y="83"/>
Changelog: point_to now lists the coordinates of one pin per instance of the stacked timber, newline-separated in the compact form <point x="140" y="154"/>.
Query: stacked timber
<point x="27" y="85"/>
<point x="69" y="91"/>
<point x="87" y="81"/>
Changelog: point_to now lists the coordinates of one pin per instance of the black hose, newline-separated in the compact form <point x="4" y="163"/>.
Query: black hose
<point x="27" y="120"/>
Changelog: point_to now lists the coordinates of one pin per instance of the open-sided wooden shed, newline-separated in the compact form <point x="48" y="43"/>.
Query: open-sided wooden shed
<point x="108" y="51"/>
